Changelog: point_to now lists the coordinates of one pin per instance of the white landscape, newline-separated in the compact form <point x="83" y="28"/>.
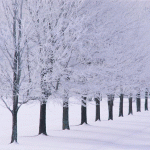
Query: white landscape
<point x="130" y="132"/>
<point x="58" y="58"/>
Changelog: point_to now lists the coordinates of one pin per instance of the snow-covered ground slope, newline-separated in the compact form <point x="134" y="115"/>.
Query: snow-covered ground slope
<point x="128" y="132"/>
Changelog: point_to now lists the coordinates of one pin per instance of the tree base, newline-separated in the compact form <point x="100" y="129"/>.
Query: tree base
<point x="84" y="123"/>
<point x="14" y="143"/>
<point x="45" y="134"/>
<point x="66" y="128"/>
<point x="42" y="124"/>
<point x="97" y="120"/>
<point x="130" y="113"/>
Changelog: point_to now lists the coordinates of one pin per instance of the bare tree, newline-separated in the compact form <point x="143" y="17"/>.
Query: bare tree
<point x="15" y="82"/>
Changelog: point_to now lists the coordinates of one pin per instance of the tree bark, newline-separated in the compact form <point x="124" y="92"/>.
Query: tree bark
<point x="138" y="102"/>
<point x="146" y="101"/>
<point x="83" y="111"/>
<point x="97" y="100"/>
<point x="45" y="94"/>
<point x="121" y="106"/>
<point x="14" y="119"/>
<point x="14" y="128"/>
<point x="42" y="125"/>
<point x="65" y="115"/>
<point x="16" y="69"/>
<point x="130" y="106"/>
<point x="110" y="106"/>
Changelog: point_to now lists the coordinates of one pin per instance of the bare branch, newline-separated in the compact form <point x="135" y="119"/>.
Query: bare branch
<point x="6" y="105"/>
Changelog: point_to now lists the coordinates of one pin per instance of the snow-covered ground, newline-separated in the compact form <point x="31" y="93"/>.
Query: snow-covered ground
<point x="128" y="132"/>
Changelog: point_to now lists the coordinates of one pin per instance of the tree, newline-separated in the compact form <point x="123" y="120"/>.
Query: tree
<point x="121" y="106"/>
<point x="130" y="105"/>
<point x="57" y="30"/>
<point x="83" y="110"/>
<point x="65" y="112"/>
<point x="110" y="106"/>
<point x="97" y="101"/>
<point x="138" y="102"/>
<point x="119" y="43"/>
<point x="146" y="100"/>
<point x="15" y="85"/>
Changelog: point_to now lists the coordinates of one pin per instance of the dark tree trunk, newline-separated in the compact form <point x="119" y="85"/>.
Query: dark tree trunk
<point x="146" y="101"/>
<point x="121" y="106"/>
<point x="17" y="61"/>
<point x="110" y="109"/>
<point x="83" y="111"/>
<point x="14" y="127"/>
<point x="42" y="125"/>
<point x="97" y="100"/>
<point x="138" y="102"/>
<point x="16" y="79"/>
<point x="130" y="106"/>
<point x="65" y="115"/>
<point x="110" y="106"/>
<point x="14" y="119"/>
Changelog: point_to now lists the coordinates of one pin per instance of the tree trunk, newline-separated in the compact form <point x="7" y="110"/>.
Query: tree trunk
<point x="97" y="100"/>
<point x="83" y="111"/>
<point x="146" y="101"/>
<point x="130" y="106"/>
<point x="14" y="128"/>
<point x="17" y="64"/>
<point x="121" y="106"/>
<point x="138" y="102"/>
<point x="110" y="106"/>
<point x="14" y="119"/>
<point x="65" y="114"/>
<point x="42" y="125"/>
<point x="110" y="109"/>
<point x="16" y="80"/>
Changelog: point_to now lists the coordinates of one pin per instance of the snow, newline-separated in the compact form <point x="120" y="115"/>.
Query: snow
<point x="119" y="31"/>
<point x="128" y="132"/>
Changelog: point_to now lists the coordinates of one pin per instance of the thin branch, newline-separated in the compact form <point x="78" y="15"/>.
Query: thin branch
<point x="6" y="105"/>
<point x="21" y="103"/>
<point x="7" y="56"/>
<point x="8" y="20"/>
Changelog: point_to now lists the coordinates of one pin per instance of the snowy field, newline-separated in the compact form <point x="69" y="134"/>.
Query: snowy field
<point x="128" y="132"/>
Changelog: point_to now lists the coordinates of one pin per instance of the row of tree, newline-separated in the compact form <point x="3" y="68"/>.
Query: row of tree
<point x="110" y="107"/>
<point x="138" y="105"/>
<point x="61" y="48"/>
